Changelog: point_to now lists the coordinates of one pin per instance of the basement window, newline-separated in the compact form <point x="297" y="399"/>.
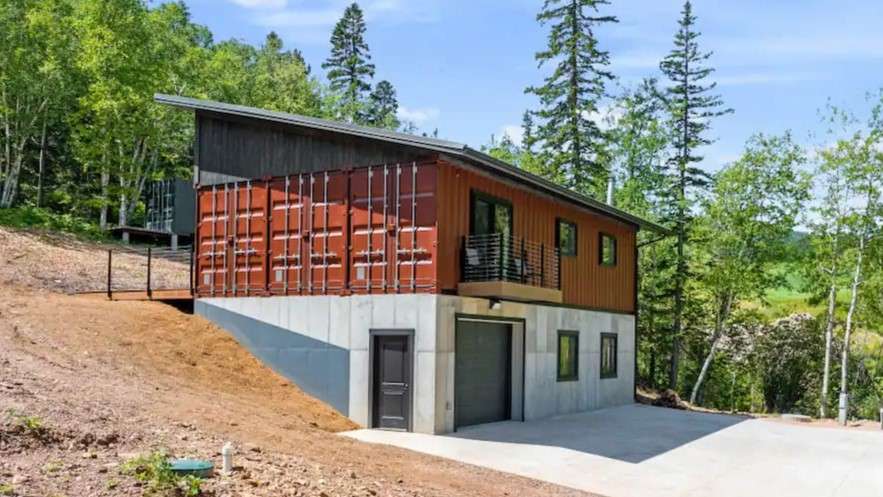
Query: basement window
<point x="568" y="355"/>
<point x="565" y="237"/>
<point x="607" y="250"/>
<point x="608" y="355"/>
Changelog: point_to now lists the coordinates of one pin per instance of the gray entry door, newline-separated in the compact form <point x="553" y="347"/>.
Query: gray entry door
<point x="392" y="382"/>
<point x="482" y="375"/>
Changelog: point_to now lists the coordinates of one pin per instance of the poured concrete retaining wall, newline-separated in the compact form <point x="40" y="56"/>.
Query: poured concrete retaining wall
<point x="322" y="344"/>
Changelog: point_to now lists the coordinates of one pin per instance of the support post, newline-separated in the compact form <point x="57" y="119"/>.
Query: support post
<point x="174" y="242"/>
<point x="109" y="270"/>
<point x="149" y="257"/>
<point x="193" y="276"/>
<point x="844" y="403"/>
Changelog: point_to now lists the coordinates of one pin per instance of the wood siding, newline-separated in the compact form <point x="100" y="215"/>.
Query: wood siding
<point x="584" y="281"/>
<point x="235" y="149"/>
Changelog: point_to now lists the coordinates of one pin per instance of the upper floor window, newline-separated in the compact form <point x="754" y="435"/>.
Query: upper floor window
<point x="565" y="237"/>
<point x="607" y="250"/>
<point x="490" y="215"/>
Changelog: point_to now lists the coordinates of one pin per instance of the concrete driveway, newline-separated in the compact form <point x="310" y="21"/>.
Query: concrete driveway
<point x="638" y="450"/>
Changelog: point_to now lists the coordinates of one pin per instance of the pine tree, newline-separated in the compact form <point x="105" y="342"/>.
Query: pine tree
<point x="349" y="69"/>
<point x="570" y="140"/>
<point x="383" y="106"/>
<point x="527" y="127"/>
<point x="692" y="106"/>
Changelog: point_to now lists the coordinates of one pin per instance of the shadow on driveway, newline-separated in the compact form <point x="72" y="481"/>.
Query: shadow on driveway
<point x="632" y="433"/>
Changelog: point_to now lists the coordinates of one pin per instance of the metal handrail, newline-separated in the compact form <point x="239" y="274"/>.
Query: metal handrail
<point x="498" y="257"/>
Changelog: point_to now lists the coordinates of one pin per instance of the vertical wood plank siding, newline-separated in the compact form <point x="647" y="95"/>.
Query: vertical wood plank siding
<point x="584" y="281"/>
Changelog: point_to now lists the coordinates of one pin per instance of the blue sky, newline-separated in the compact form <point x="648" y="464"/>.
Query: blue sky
<point x="462" y="66"/>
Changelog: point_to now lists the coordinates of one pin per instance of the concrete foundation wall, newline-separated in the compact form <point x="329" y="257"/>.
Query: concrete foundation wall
<point x="544" y="395"/>
<point x="340" y="324"/>
<point x="322" y="343"/>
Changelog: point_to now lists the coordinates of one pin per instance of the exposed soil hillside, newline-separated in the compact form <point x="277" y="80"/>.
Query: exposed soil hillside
<point x="105" y="381"/>
<point x="62" y="263"/>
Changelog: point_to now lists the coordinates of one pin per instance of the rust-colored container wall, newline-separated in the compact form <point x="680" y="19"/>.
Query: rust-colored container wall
<point x="584" y="281"/>
<point x="364" y="230"/>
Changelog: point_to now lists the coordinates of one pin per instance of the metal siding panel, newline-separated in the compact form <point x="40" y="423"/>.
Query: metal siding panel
<point x="584" y="282"/>
<point x="303" y="248"/>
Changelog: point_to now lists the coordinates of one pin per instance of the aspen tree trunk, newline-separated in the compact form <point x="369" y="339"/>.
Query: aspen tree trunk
<point x="829" y="337"/>
<point x="722" y="315"/>
<point x="856" y="280"/>
<point x="42" y="164"/>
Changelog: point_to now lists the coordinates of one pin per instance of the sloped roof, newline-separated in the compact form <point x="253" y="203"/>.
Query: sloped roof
<point x="454" y="149"/>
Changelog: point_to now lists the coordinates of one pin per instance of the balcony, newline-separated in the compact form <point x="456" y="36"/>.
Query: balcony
<point x="499" y="266"/>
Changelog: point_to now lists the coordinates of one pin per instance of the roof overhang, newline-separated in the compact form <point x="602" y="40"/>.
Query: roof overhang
<point x="453" y="149"/>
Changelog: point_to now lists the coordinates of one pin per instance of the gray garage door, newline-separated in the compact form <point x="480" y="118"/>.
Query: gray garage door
<point x="482" y="373"/>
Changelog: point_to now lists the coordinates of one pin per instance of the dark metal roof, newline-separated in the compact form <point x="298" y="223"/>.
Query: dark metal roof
<point x="453" y="149"/>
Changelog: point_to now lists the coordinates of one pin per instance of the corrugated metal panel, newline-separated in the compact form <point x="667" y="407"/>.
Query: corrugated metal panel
<point x="584" y="282"/>
<point x="231" y="239"/>
<point x="366" y="230"/>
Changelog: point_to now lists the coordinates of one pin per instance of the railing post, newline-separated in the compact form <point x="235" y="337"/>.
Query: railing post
<point x="109" y="270"/>
<point x="543" y="265"/>
<point x="149" y="257"/>
<point x="523" y="262"/>
<point x="500" y="256"/>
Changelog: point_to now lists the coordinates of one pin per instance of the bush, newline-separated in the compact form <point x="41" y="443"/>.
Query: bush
<point x="155" y="471"/>
<point x="33" y="217"/>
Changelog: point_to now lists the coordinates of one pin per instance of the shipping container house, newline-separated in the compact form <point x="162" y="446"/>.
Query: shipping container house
<point x="412" y="283"/>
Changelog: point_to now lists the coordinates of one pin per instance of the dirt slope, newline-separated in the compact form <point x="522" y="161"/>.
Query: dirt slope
<point x="110" y="380"/>
<point x="62" y="263"/>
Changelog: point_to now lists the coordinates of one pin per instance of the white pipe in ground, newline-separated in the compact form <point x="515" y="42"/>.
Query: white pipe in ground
<point x="227" y="456"/>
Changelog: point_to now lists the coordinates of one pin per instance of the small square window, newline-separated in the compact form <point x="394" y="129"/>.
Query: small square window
<point x="568" y="355"/>
<point x="608" y="355"/>
<point x="565" y="237"/>
<point x="607" y="250"/>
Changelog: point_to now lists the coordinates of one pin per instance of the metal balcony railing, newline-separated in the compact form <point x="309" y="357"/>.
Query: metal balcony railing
<point x="497" y="257"/>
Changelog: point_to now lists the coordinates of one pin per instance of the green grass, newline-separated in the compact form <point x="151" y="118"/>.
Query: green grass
<point x="26" y="217"/>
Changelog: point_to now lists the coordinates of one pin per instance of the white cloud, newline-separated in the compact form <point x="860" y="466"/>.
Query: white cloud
<point x="762" y="78"/>
<point x="418" y="116"/>
<point x="299" y="19"/>
<point x="261" y="4"/>
<point x="311" y="20"/>
<point x="514" y="132"/>
<point x="606" y="115"/>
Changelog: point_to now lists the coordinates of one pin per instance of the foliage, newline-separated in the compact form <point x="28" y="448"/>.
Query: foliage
<point x="7" y="489"/>
<point x="572" y="143"/>
<point x="383" y="106"/>
<point x="27" y="217"/>
<point x="155" y="471"/>
<point x="349" y="69"/>
<point x="691" y="108"/>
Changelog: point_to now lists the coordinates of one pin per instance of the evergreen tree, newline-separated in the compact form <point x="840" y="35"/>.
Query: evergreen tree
<point x="349" y="69"/>
<point x="383" y="106"/>
<point x="527" y="127"/>
<point x="571" y="141"/>
<point x="692" y="105"/>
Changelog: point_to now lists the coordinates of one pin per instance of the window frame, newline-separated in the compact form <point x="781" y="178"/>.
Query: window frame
<point x="574" y="335"/>
<point x="606" y="375"/>
<point x="491" y="199"/>
<point x="601" y="237"/>
<point x="559" y="221"/>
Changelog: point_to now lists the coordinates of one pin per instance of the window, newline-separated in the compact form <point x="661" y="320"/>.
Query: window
<point x="607" y="250"/>
<point x="565" y="237"/>
<point x="490" y="215"/>
<point x="568" y="355"/>
<point x="608" y="355"/>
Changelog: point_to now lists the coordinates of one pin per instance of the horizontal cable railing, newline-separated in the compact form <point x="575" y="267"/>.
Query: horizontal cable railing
<point x="497" y="257"/>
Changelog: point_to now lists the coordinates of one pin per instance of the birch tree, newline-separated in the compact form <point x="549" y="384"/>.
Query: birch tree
<point x="747" y="222"/>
